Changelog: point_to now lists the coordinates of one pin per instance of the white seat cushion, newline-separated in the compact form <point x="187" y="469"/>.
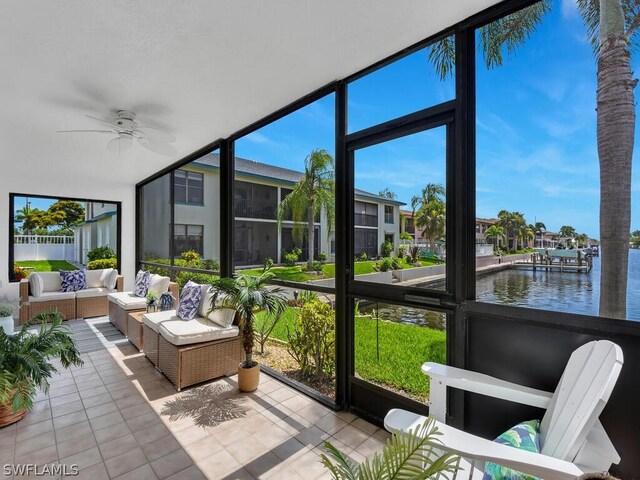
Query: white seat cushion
<point x="198" y="330"/>
<point x="158" y="283"/>
<point x="50" y="296"/>
<point x="93" y="292"/>
<point x="127" y="300"/>
<point x="152" y="320"/>
<point x="50" y="281"/>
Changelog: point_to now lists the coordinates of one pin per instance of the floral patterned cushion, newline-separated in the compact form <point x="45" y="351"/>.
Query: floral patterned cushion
<point x="142" y="283"/>
<point x="189" y="301"/>
<point x="73" y="280"/>
<point x="525" y="436"/>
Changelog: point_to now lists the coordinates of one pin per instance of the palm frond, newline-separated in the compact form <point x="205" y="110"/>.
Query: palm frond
<point x="505" y="35"/>
<point x="411" y="455"/>
<point x="442" y="55"/>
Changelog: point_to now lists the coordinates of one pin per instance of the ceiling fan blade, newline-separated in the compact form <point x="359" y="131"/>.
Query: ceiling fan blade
<point x="158" y="147"/>
<point x="93" y="131"/>
<point x="155" y="134"/>
<point x="120" y="144"/>
<point x="103" y="121"/>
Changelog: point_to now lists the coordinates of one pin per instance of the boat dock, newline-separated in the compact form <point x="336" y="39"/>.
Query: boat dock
<point x="549" y="260"/>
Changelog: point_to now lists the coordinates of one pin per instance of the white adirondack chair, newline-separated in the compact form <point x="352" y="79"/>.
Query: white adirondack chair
<point x="572" y="439"/>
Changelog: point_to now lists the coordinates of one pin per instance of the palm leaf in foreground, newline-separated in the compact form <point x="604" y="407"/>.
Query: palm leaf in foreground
<point x="413" y="455"/>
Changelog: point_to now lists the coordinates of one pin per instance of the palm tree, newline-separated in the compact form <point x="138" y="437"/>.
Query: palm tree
<point x="313" y="193"/>
<point x="415" y="201"/>
<point x="431" y="216"/>
<point x="495" y="232"/>
<point x="247" y="294"/>
<point x="513" y="224"/>
<point x="612" y="25"/>
<point x="567" y="231"/>
<point x="539" y="228"/>
<point x="433" y="191"/>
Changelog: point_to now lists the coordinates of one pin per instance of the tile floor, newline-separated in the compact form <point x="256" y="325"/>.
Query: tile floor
<point x="117" y="417"/>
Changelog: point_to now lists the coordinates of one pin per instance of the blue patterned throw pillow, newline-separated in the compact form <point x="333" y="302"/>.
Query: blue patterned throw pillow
<point x="142" y="283"/>
<point x="73" y="280"/>
<point x="525" y="436"/>
<point x="189" y="301"/>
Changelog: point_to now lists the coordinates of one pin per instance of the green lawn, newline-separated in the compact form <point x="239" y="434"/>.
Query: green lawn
<point x="295" y="273"/>
<point x="402" y="351"/>
<point x="47" y="265"/>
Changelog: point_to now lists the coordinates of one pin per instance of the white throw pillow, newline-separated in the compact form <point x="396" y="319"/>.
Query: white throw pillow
<point x="158" y="283"/>
<point x="109" y="278"/>
<point x="35" y="284"/>
<point x="205" y="300"/>
<point x="221" y="316"/>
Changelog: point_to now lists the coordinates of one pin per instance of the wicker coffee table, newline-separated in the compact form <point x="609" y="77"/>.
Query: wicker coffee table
<point x="134" y="329"/>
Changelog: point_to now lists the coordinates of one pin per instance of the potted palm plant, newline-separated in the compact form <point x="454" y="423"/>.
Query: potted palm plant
<point x="6" y="317"/>
<point x="248" y="294"/>
<point x="25" y="363"/>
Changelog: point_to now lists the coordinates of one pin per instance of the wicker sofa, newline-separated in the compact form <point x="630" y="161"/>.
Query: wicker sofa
<point x="121" y="304"/>
<point x="192" y="351"/>
<point x="85" y="303"/>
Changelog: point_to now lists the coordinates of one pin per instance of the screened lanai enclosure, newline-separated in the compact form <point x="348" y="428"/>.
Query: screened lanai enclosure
<point x="440" y="129"/>
<point x="412" y="197"/>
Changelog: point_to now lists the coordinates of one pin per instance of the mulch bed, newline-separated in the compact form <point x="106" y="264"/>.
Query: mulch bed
<point x="277" y="357"/>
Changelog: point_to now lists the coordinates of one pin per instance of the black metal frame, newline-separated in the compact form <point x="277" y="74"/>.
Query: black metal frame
<point x="13" y="195"/>
<point x="458" y="301"/>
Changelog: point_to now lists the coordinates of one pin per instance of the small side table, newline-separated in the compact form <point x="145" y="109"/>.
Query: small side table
<point x="134" y="330"/>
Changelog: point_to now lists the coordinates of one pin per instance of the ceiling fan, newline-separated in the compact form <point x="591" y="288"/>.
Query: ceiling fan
<point x="127" y="130"/>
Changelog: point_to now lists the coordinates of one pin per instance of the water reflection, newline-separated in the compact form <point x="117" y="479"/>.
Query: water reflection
<point x="408" y="315"/>
<point x="564" y="292"/>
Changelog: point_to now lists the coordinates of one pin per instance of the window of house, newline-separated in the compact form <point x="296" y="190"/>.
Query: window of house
<point x="388" y="214"/>
<point x="366" y="214"/>
<point x="188" y="237"/>
<point x="188" y="187"/>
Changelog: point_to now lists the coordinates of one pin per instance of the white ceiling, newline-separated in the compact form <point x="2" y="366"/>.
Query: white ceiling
<point x="200" y="69"/>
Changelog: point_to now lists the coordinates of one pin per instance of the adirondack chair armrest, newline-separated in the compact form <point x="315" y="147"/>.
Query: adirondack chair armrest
<point x="443" y="376"/>
<point x="479" y="450"/>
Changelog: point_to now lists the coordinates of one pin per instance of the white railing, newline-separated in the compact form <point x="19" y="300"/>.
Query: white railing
<point x="43" y="239"/>
<point x="43" y="247"/>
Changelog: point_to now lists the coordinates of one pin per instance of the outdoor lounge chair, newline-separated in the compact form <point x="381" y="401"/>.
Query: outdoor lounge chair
<point x="572" y="440"/>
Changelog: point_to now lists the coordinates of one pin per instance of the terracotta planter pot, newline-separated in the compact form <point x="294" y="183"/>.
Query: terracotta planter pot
<point x="248" y="378"/>
<point x="7" y="417"/>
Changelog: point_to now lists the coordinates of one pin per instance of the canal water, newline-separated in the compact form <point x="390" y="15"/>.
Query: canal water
<point x="565" y="292"/>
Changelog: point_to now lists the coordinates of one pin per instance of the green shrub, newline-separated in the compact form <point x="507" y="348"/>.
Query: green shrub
<point x="406" y="236"/>
<point x="388" y="263"/>
<point x="190" y="256"/>
<point x="100" y="253"/>
<point x="387" y="249"/>
<point x="363" y="257"/>
<point x="102" y="263"/>
<point x="312" y="339"/>
<point x="290" y="258"/>
<point x="211" y="265"/>
<point x="401" y="251"/>
<point x="183" y="277"/>
<point x="317" y="266"/>
<point x="323" y="257"/>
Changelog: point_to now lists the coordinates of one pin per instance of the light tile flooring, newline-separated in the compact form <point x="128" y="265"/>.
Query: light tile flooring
<point x="117" y="417"/>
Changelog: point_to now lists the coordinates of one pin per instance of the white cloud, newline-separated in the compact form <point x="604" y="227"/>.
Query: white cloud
<point x="569" y="8"/>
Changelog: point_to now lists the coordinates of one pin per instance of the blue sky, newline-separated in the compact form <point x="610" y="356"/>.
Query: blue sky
<point x="536" y="129"/>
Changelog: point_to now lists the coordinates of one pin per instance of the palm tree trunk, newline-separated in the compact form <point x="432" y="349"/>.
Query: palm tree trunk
<point x="311" y="235"/>
<point x="616" y="127"/>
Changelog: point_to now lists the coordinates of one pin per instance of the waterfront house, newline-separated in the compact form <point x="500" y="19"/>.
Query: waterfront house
<point x="258" y="189"/>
